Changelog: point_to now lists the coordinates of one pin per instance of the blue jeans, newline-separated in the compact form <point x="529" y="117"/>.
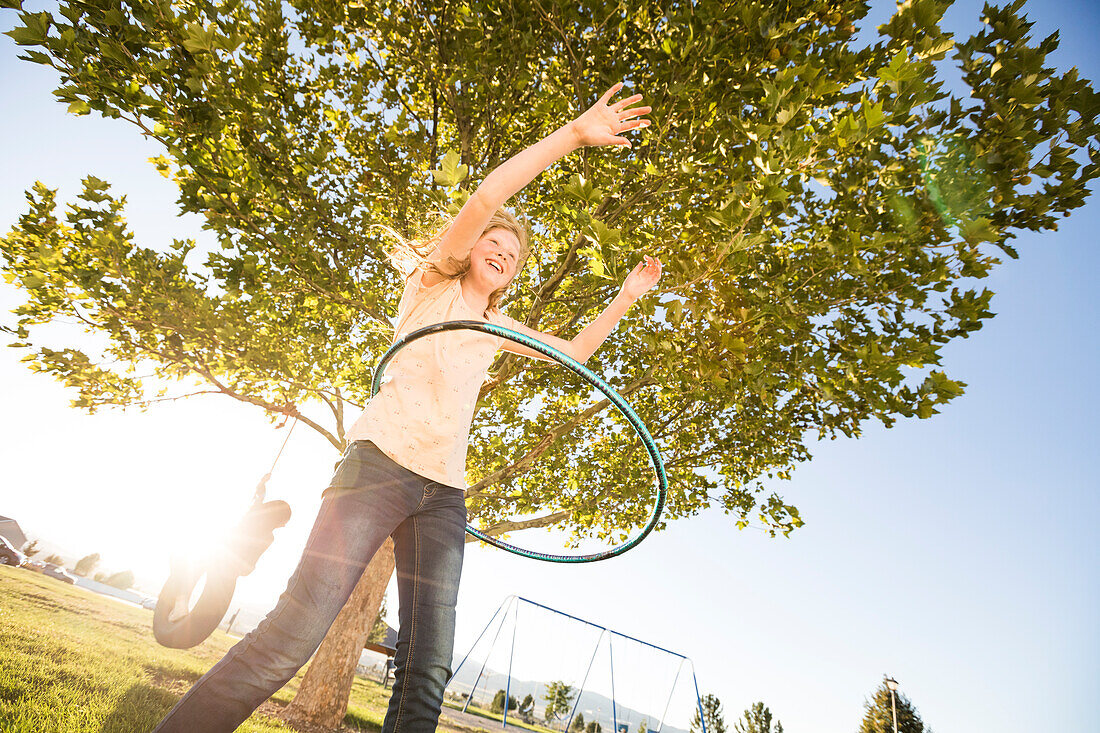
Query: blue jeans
<point x="370" y="497"/>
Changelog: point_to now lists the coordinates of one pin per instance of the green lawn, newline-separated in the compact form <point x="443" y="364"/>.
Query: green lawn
<point x="72" y="661"/>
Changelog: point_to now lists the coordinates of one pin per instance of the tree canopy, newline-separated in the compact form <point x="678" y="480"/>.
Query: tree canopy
<point x="497" y="706"/>
<point x="86" y="565"/>
<point x="879" y="714"/>
<point x="713" y="718"/>
<point x="824" y="210"/>
<point x="559" y="701"/>
<point x="757" y="719"/>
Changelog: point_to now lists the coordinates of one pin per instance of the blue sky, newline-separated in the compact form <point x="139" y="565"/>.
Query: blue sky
<point x="956" y="554"/>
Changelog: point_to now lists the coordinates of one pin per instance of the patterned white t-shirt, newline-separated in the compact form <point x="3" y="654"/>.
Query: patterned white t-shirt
<point x="422" y="413"/>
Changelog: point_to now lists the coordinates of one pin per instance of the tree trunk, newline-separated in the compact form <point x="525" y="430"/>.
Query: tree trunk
<point x="322" y="698"/>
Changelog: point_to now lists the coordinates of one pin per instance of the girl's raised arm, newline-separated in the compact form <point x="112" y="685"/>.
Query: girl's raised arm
<point x="601" y="124"/>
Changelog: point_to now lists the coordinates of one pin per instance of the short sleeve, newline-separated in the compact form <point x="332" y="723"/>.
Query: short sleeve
<point x="494" y="316"/>
<point x="412" y="281"/>
<point x="497" y="318"/>
<point x="414" y="290"/>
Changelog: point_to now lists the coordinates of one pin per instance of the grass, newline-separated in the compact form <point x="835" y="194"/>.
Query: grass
<point x="72" y="661"/>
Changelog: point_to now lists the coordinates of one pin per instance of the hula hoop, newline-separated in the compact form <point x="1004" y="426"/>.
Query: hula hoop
<point x="589" y="376"/>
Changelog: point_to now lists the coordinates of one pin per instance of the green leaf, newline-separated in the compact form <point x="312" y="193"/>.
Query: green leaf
<point x="978" y="230"/>
<point x="675" y="311"/>
<point x="872" y="113"/>
<point x="603" y="235"/>
<point x="933" y="48"/>
<point x="596" y="263"/>
<point x="32" y="34"/>
<point x="36" y="57"/>
<point x="198" y="39"/>
<point x="450" y="173"/>
<point x="775" y="193"/>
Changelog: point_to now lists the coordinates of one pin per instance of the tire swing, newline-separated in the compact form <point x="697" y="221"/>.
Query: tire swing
<point x="589" y="376"/>
<point x="177" y="624"/>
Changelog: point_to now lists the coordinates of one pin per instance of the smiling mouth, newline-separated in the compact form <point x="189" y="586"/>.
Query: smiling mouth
<point x="496" y="266"/>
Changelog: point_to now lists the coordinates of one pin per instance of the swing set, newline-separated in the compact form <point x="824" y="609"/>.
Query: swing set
<point x="546" y="636"/>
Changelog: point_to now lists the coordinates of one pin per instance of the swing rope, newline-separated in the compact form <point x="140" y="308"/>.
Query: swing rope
<point x="281" y="447"/>
<point x="261" y="488"/>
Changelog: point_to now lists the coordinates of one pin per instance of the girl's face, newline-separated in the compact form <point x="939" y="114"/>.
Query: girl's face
<point x="493" y="259"/>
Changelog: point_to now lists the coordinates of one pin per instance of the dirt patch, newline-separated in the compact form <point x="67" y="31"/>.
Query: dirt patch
<point x="448" y="721"/>
<point x="277" y="710"/>
<point x="451" y="721"/>
<point x="466" y="722"/>
<point x="167" y="681"/>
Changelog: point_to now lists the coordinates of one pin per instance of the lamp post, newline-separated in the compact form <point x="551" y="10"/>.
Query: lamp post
<point x="892" y="685"/>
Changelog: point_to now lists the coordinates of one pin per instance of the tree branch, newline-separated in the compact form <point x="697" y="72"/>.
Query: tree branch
<point x="553" y="436"/>
<point x="542" y="297"/>
<point x="502" y="527"/>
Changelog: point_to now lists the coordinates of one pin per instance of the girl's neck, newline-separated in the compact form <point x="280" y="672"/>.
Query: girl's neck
<point x="477" y="301"/>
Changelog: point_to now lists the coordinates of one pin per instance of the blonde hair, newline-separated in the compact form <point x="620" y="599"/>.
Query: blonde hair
<point x="408" y="254"/>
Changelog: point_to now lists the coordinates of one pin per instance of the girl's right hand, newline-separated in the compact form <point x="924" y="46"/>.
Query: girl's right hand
<point x="602" y="123"/>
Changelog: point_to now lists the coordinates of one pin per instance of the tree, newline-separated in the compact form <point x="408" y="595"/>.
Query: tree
<point x="122" y="580"/>
<point x="713" y="716"/>
<point x="643" y="726"/>
<point x="823" y="211"/>
<point x="559" y="701"/>
<point x="30" y="549"/>
<point x="879" y="714"/>
<point x="578" y="723"/>
<point x="526" y="710"/>
<point x="498" y="703"/>
<point x="326" y="686"/>
<point x="593" y="727"/>
<point x="757" y="719"/>
<point x="85" y="565"/>
<point x="54" y="560"/>
<point x="379" y="627"/>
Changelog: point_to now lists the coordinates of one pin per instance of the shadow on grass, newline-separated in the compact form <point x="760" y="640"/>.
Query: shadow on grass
<point x="138" y="709"/>
<point x="168" y="674"/>
<point x="357" y="721"/>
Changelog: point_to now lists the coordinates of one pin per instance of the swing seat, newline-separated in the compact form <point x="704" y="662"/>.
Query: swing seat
<point x="177" y="626"/>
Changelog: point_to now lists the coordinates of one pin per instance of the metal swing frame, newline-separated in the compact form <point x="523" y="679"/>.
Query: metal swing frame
<point x="502" y="613"/>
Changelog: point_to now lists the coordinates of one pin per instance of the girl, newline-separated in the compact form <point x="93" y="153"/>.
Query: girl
<point x="403" y="471"/>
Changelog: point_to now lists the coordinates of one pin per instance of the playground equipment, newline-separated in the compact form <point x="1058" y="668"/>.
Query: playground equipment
<point x="589" y="376"/>
<point x="630" y="682"/>
<point x="180" y="624"/>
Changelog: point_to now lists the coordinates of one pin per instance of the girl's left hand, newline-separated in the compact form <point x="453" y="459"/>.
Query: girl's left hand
<point x="642" y="278"/>
<point x="604" y="123"/>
